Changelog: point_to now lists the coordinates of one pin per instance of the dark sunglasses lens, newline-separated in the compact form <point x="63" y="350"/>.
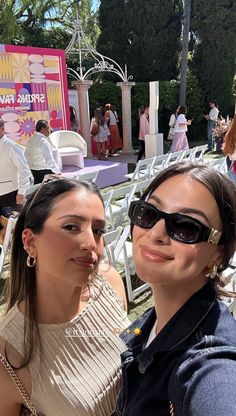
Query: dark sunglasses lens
<point x="144" y="216"/>
<point x="185" y="230"/>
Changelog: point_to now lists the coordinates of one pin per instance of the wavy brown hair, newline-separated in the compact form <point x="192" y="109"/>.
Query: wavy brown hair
<point x="223" y="192"/>
<point x="22" y="282"/>
<point x="230" y="139"/>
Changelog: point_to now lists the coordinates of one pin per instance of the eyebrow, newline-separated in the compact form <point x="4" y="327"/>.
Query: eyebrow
<point x="81" y="218"/>
<point x="184" y="210"/>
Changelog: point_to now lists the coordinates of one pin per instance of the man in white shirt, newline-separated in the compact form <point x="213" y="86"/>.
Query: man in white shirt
<point x="39" y="153"/>
<point x="15" y="176"/>
<point x="211" y="122"/>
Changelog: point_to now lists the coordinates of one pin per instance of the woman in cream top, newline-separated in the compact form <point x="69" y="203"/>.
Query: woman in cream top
<point x="74" y="365"/>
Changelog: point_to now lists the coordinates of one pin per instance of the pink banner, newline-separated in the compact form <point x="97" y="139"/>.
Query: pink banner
<point x="33" y="86"/>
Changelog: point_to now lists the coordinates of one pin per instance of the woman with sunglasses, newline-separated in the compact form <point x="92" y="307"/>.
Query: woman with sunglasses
<point x="183" y="360"/>
<point x="59" y="343"/>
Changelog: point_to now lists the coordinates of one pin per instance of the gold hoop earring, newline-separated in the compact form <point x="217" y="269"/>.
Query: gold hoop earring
<point x="214" y="272"/>
<point x="30" y="261"/>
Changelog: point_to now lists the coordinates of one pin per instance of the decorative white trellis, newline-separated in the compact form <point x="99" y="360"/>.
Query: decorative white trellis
<point x="80" y="46"/>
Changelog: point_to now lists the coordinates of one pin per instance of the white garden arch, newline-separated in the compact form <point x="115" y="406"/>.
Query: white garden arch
<point x="80" y="46"/>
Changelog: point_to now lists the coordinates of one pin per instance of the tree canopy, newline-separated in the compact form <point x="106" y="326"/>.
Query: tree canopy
<point x="214" y="30"/>
<point x="45" y="23"/>
<point x="143" y="35"/>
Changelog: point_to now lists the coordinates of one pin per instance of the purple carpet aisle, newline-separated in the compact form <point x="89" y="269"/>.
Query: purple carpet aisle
<point x="110" y="173"/>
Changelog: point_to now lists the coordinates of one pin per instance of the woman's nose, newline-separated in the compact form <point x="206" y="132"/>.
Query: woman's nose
<point x="88" y="240"/>
<point x="158" y="232"/>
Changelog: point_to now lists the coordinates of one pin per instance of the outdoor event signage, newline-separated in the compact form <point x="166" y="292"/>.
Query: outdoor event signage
<point x="33" y="86"/>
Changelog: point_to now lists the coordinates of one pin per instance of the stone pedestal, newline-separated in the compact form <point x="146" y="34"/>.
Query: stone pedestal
<point x="126" y="116"/>
<point x="154" y="145"/>
<point x="82" y="88"/>
<point x="154" y="140"/>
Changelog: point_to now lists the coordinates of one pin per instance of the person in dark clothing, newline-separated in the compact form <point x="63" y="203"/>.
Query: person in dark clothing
<point x="181" y="357"/>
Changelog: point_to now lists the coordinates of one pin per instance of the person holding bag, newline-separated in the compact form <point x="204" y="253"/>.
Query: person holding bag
<point x="172" y="122"/>
<point x="111" y="118"/>
<point x="100" y="133"/>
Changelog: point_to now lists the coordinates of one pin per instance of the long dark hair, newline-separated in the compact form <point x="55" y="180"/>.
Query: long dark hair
<point x="22" y="282"/>
<point x="99" y="117"/>
<point x="181" y="110"/>
<point x="224" y="193"/>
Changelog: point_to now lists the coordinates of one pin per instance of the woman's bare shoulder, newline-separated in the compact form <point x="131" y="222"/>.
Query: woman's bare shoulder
<point x="115" y="280"/>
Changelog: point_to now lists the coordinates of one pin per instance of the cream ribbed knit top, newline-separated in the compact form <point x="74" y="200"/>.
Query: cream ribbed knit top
<point x="79" y="371"/>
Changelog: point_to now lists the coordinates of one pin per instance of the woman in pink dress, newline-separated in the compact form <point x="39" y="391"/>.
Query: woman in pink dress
<point x="143" y="130"/>
<point x="180" y="141"/>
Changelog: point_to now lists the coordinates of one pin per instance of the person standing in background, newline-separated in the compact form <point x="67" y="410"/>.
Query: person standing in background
<point x="180" y="141"/>
<point x="211" y="122"/>
<point x="143" y="130"/>
<point x="229" y="149"/>
<point x="74" y="125"/>
<point x="39" y="153"/>
<point x="111" y="119"/>
<point x="15" y="175"/>
<point x="100" y="133"/>
<point x="172" y="125"/>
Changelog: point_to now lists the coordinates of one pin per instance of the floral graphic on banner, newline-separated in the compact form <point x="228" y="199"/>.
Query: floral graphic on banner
<point x="33" y="86"/>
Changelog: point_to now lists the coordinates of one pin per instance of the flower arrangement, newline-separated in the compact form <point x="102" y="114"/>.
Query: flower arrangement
<point x="219" y="133"/>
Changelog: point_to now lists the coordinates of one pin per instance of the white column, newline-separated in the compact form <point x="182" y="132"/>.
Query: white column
<point x="82" y="88"/>
<point x="126" y="115"/>
<point x="153" y="140"/>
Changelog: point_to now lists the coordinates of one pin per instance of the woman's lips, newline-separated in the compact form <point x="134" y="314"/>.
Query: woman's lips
<point x="87" y="263"/>
<point x="154" y="255"/>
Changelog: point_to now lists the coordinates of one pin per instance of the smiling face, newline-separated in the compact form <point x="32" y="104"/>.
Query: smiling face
<point x="70" y="245"/>
<point x="162" y="260"/>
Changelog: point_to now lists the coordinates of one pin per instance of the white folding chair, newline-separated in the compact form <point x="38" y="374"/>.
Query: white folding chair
<point x="124" y="257"/>
<point x="173" y="158"/>
<point x="7" y="240"/>
<point x="106" y="196"/>
<point x="119" y="205"/>
<point x="159" y="164"/>
<point x="111" y="240"/>
<point x="187" y="154"/>
<point x="141" y="187"/>
<point x="88" y="177"/>
<point x="233" y="260"/>
<point x="231" y="286"/>
<point x="142" y="171"/>
<point x="218" y="164"/>
<point x="197" y="155"/>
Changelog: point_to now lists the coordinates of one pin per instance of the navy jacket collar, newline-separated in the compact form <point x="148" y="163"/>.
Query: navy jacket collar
<point x="177" y="331"/>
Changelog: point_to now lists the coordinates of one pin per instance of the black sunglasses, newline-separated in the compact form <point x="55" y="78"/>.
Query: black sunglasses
<point x="179" y="227"/>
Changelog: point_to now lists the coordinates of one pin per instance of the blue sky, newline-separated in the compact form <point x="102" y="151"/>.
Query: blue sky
<point x="95" y="3"/>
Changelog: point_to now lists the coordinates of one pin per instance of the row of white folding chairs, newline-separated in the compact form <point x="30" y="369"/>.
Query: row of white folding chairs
<point x="229" y="276"/>
<point x="149" y="167"/>
<point x="118" y="200"/>
<point x="7" y="240"/>
<point x="120" y="249"/>
<point x="218" y="164"/>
